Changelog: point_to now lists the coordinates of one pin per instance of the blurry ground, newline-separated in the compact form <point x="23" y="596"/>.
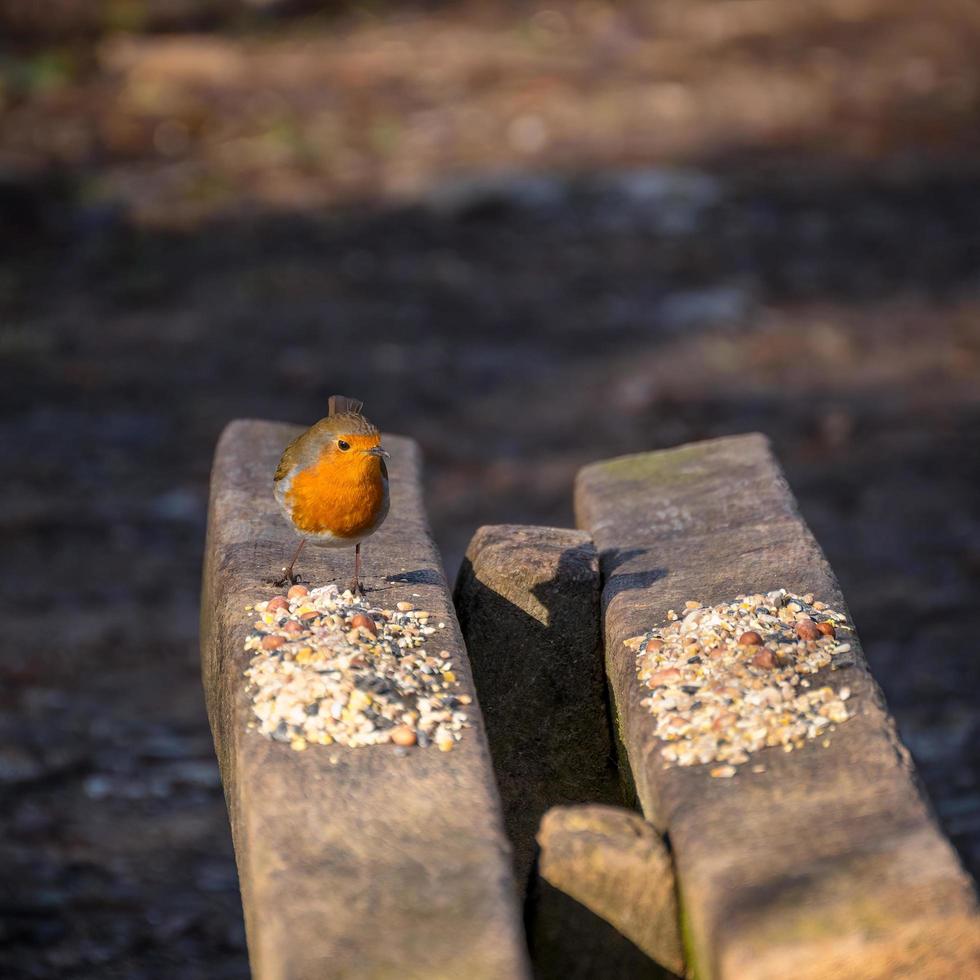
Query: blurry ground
<point x="700" y="218"/>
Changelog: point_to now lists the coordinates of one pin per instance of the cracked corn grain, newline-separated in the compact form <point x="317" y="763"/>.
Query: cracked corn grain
<point x="731" y="679"/>
<point x="320" y="675"/>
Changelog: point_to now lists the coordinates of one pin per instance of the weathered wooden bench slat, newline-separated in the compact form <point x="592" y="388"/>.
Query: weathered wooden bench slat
<point x="613" y="863"/>
<point x="353" y="862"/>
<point x="528" y="605"/>
<point x="828" y="864"/>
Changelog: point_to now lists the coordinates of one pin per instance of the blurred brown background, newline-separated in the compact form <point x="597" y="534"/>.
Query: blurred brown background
<point x="528" y="235"/>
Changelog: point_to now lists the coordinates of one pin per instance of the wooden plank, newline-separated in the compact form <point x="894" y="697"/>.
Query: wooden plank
<point x="528" y="605"/>
<point x="828" y="864"/>
<point x="353" y="862"/>
<point x="614" y="866"/>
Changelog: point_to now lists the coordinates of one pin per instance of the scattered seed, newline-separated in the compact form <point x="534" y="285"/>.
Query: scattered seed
<point x="364" y="622"/>
<point x="742" y="694"/>
<point x="403" y="735"/>
<point x="807" y="629"/>
<point x="661" y="677"/>
<point x="315" y="680"/>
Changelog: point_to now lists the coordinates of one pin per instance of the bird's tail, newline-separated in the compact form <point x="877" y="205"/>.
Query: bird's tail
<point x="342" y="405"/>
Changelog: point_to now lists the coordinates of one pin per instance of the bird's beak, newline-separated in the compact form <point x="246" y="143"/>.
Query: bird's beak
<point x="377" y="451"/>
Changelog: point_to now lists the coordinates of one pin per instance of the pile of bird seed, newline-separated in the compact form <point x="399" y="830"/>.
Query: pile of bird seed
<point x="328" y="669"/>
<point x="731" y="679"/>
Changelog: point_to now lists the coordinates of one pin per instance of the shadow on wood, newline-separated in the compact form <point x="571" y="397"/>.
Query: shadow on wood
<point x="528" y="606"/>
<point x="603" y="902"/>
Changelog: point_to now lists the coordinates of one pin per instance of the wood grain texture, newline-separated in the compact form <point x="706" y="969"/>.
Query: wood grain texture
<point x="352" y="862"/>
<point x="829" y="864"/>
<point x="612" y="862"/>
<point x="528" y="605"/>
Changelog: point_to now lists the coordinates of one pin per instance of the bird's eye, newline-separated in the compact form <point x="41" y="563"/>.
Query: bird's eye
<point x="343" y="446"/>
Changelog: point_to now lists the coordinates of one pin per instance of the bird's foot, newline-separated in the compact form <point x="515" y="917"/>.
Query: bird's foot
<point x="356" y="587"/>
<point x="286" y="578"/>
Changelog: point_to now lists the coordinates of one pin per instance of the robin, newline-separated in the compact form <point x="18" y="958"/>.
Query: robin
<point x="332" y="483"/>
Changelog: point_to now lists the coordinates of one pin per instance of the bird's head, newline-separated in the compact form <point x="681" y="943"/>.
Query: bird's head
<point x="351" y="444"/>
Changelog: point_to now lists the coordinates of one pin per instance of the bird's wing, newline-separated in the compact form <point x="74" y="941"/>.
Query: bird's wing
<point x="291" y="456"/>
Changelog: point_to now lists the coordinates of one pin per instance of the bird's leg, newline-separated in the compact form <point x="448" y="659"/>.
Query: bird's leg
<point x="287" y="572"/>
<point x="356" y="586"/>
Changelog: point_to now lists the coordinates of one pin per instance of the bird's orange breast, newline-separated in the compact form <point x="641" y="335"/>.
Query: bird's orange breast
<point x="344" y="501"/>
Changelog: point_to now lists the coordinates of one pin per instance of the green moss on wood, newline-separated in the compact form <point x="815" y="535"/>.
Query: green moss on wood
<point x="671" y="466"/>
<point x="695" y="961"/>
